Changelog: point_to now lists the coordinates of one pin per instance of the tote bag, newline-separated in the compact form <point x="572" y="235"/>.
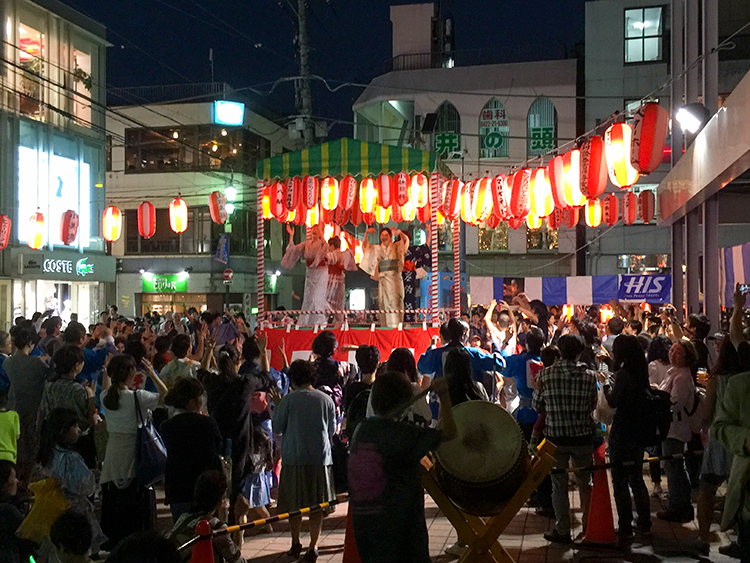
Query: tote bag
<point x="150" y="452"/>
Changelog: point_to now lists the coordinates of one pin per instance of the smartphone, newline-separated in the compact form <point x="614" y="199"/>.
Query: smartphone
<point x="744" y="288"/>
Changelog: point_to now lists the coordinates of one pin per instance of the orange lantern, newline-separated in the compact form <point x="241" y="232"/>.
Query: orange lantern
<point x="329" y="193"/>
<point x="178" y="213"/>
<point x="568" y="311"/>
<point x="35" y="235"/>
<point x="292" y="193"/>
<point x="290" y="216"/>
<point x="382" y="214"/>
<point x="650" y="124"/>
<point x="146" y="219"/>
<point x="556" y="170"/>
<point x="329" y="231"/>
<point x="368" y="195"/>
<point x="606" y="313"/>
<point x="593" y="213"/>
<point x="500" y="197"/>
<point x="408" y="212"/>
<point x="572" y="174"/>
<point x="310" y="191"/>
<point x="347" y="192"/>
<point x="593" y="167"/>
<point x="419" y="191"/>
<point x="617" y="145"/>
<point x="482" y="204"/>
<point x="440" y="217"/>
<point x="452" y="190"/>
<point x="111" y="223"/>
<point x="629" y="208"/>
<point x="610" y="210"/>
<point x="570" y="217"/>
<point x="401" y="188"/>
<point x="646" y="206"/>
<point x="217" y="204"/>
<point x="5" y="224"/>
<point x="520" y="202"/>
<point x="358" y="252"/>
<point x="540" y="193"/>
<point x="265" y="201"/>
<point x="493" y="221"/>
<point x="533" y="222"/>
<point x="554" y="219"/>
<point x="68" y="227"/>
<point x="312" y="217"/>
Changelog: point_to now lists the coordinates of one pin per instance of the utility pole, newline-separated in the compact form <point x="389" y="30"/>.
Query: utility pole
<point x="302" y="86"/>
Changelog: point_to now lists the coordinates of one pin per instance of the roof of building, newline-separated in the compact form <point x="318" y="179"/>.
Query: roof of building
<point x="73" y="16"/>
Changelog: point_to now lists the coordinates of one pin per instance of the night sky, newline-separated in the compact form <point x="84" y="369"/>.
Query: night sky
<point x="168" y="41"/>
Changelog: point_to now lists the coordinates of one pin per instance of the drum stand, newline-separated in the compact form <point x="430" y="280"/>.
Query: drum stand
<point x="481" y="534"/>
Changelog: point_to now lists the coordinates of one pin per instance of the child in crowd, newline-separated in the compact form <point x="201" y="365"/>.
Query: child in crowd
<point x="386" y="495"/>
<point x="71" y="536"/>
<point x="10" y="429"/>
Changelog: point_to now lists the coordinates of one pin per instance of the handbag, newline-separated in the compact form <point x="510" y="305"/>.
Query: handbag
<point x="150" y="451"/>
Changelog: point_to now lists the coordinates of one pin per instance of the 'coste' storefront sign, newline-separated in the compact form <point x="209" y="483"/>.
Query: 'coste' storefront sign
<point x="55" y="266"/>
<point x="173" y="283"/>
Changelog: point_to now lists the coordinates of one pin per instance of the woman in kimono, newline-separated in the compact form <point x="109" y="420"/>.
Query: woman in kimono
<point x="385" y="263"/>
<point x="338" y="262"/>
<point x="313" y="251"/>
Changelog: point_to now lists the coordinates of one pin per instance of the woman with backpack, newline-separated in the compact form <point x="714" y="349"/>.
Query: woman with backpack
<point x="630" y="385"/>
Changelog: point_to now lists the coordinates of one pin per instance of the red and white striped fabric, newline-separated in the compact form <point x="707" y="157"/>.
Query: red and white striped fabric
<point x="646" y="205"/>
<point x="629" y="208"/>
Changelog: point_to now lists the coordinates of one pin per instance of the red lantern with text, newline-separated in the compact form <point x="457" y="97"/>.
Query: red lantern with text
<point x="290" y="217"/>
<point x="533" y="222"/>
<point x="355" y="215"/>
<point x="401" y="188"/>
<point x="629" y="208"/>
<point x="467" y="199"/>
<point x="347" y="192"/>
<point x="178" y="213"/>
<point x="341" y="216"/>
<point x="299" y="217"/>
<point x="610" y="210"/>
<point x="593" y="167"/>
<point x="310" y="191"/>
<point x="326" y="216"/>
<point x="292" y="193"/>
<point x="382" y="214"/>
<point x="556" y="170"/>
<point x="617" y="144"/>
<point x="368" y="218"/>
<point x="452" y="200"/>
<point x="482" y="204"/>
<point x="265" y="202"/>
<point x="646" y="206"/>
<point x="312" y="217"/>
<point x="515" y="222"/>
<point x="501" y="197"/>
<point x="540" y="193"/>
<point x="554" y="219"/>
<point x="111" y="223"/>
<point x="329" y="193"/>
<point x="425" y="214"/>
<point x="650" y="125"/>
<point x="146" y="219"/>
<point x="368" y="195"/>
<point x="420" y="192"/>
<point x="35" y="235"/>
<point x="217" y="203"/>
<point x="572" y="171"/>
<point x="68" y="227"/>
<point x="5" y="224"/>
<point x="493" y="221"/>
<point x="593" y="213"/>
<point x="520" y="202"/>
<point x="384" y="184"/>
<point x="571" y="216"/>
<point x="396" y="213"/>
<point x="408" y="211"/>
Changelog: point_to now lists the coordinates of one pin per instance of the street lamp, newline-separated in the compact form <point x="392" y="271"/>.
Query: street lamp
<point x="231" y="193"/>
<point x="692" y="117"/>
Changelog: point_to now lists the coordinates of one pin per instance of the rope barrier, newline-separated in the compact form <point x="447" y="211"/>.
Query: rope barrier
<point x="610" y="465"/>
<point x="262" y="522"/>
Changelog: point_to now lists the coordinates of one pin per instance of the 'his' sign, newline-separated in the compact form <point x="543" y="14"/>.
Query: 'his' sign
<point x="651" y="288"/>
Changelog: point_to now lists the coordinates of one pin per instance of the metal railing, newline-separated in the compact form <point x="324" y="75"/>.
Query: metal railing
<point x="166" y="93"/>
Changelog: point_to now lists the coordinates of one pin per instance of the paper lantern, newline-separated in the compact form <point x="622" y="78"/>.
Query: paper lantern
<point x="500" y="197"/>
<point x="650" y="125"/>
<point x="593" y="213"/>
<point x="419" y="191"/>
<point x="358" y="251"/>
<point x="515" y="222"/>
<point x="540" y="193"/>
<point x="572" y="183"/>
<point x="68" y="227"/>
<point x="368" y="218"/>
<point x="217" y="203"/>
<point x="312" y="217"/>
<point x="629" y="208"/>
<point x="355" y="214"/>
<point x="146" y="219"/>
<point x="310" y="191"/>
<point x="35" y="235"/>
<point x="347" y="192"/>
<point x="593" y="167"/>
<point x="554" y="219"/>
<point x="606" y="313"/>
<point x="329" y="231"/>
<point x="401" y="188"/>
<point x="556" y="170"/>
<point x="493" y="221"/>
<point x="396" y="214"/>
<point x="290" y="216"/>
<point x="265" y="202"/>
<point x="382" y="214"/>
<point x="452" y="191"/>
<point x="610" y="210"/>
<point x="368" y="195"/>
<point x="482" y="203"/>
<point x="441" y="218"/>
<point x="300" y="215"/>
<point x="570" y="217"/>
<point x="5" y="225"/>
<point x="341" y="215"/>
<point x="292" y="193"/>
<point x="111" y="223"/>
<point x="408" y="211"/>
<point x="326" y="216"/>
<point x="329" y="193"/>
<point x="646" y="206"/>
<point x="178" y="213"/>
<point x="533" y="222"/>
<point x="617" y="145"/>
<point x="467" y="207"/>
<point x="384" y="184"/>
<point x="424" y="214"/>
<point x="520" y="202"/>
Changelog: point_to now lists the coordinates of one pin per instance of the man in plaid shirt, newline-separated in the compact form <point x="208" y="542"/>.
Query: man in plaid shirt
<point x="567" y="393"/>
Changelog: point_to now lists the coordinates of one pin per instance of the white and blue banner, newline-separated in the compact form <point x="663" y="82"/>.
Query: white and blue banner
<point x="654" y="288"/>
<point x="735" y="269"/>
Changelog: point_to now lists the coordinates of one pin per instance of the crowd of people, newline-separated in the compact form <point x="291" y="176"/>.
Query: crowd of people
<point x="243" y="439"/>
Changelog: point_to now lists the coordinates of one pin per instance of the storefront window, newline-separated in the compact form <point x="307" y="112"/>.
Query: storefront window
<point x="493" y="239"/>
<point x="31" y="59"/>
<point x="542" y="238"/>
<point x="541" y="127"/>
<point x="493" y="130"/>
<point x="82" y="84"/>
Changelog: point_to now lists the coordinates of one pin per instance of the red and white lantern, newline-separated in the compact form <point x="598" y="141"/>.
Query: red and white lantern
<point x="556" y="170"/>
<point x="571" y="216"/>
<point x="368" y="218"/>
<point x="310" y="191"/>
<point x="329" y="193"/>
<point x="650" y="125"/>
<point x="368" y="195"/>
<point x="5" y="225"/>
<point x="35" y="234"/>
<point x="382" y="214"/>
<point x="593" y="167"/>
<point x="452" y="190"/>
<point x="341" y="216"/>
<point x="408" y="211"/>
<point x="68" y="227"/>
<point x="178" y="213"/>
<point x="500" y="197"/>
<point x="610" y="210"/>
<point x="646" y="202"/>
<point x="111" y="223"/>
<point x="617" y="146"/>
<point x="312" y="217"/>
<point x="572" y="171"/>
<point x="347" y="192"/>
<point x="396" y="214"/>
<point x="593" y="213"/>
<point x="467" y="208"/>
<point x="424" y="214"/>
<point x="419" y="191"/>
<point x="355" y="215"/>
<point x="540" y="192"/>
<point x="401" y="188"/>
<point x="217" y="203"/>
<point x="533" y="222"/>
<point x="515" y="222"/>
<point x="292" y="193"/>
<point x="520" y="202"/>
<point x="554" y="219"/>
<point x="265" y="202"/>
<point x="385" y="190"/>
<point x="326" y="216"/>
<point x="629" y="208"/>
<point x="482" y="204"/>
<point x="146" y="219"/>
<point x="493" y="221"/>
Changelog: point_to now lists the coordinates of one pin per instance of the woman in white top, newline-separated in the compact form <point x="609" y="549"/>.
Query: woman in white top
<point x="126" y="505"/>
<point x="658" y="359"/>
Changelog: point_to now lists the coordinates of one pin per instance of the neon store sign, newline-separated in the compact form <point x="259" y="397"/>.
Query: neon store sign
<point x="54" y="266"/>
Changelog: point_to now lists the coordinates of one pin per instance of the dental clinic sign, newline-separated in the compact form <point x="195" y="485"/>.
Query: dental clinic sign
<point x="651" y="288"/>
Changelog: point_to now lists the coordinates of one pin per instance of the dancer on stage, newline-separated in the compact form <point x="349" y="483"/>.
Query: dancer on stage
<point x="338" y="262"/>
<point x="385" y="262"/>
<point x="313" y="251"/>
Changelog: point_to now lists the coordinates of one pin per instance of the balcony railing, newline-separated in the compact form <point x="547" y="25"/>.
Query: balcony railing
<point x="166" y="93"/>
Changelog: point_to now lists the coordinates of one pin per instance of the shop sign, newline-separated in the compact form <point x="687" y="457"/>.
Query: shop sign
<point x="542" y="138"/>
<point x="650" y="288"/>
<point x="171" y="283"/>
<point x="447" y="143"/>
<point x="55" y="266"/>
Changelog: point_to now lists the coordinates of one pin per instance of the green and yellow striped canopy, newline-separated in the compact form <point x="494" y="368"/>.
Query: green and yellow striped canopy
<point x="348" y="156"/>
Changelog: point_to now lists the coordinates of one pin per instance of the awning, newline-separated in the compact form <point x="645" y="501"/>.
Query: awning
<point x="349" y="156"/>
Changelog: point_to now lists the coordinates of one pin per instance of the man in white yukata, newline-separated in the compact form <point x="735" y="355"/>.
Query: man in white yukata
<point x="313" y="251"/>
<point x="385" y="262"/>
<point x="338" y="262"/>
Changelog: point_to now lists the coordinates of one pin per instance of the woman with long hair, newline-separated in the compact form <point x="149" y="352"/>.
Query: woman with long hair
<point x="126" y="505"/>
<point x="461" y="386"/>
<point x="626" y="394"/>
<point x="402" y="360"/>
<point x="658" y="366"/>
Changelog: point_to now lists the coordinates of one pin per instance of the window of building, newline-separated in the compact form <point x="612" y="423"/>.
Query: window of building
<point x="541" y="127"/>
<point x="446" y="140"/>
<point x="82" y="84"/>
<point x="31" y="60"/>
<point x="493" y="239"/>
<point x="644" y="34"/>
<point x="543" y="238"/>
<point x="493" y="130"/>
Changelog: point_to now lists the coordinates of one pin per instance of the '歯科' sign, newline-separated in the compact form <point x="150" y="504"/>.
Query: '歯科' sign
<point x="652" y="288"/>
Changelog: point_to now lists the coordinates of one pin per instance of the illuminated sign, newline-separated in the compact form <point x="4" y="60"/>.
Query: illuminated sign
<point x="171" y="283"/>
<point x="228" y="113"/>
<point x="55" y="266"/>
